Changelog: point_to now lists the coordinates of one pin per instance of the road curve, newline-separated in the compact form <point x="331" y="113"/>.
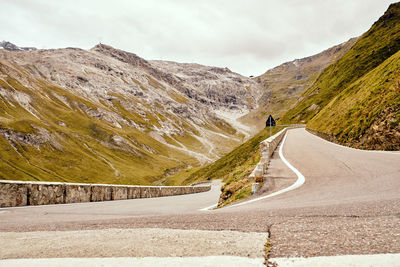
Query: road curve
<point x="17" y="217"/>
<point x="349" y="204"/>
<point x="299" y="182"/>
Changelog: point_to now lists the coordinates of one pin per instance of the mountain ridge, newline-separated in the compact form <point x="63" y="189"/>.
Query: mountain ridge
<point x="284" y="84"/>
<point x="115" y="107"/>
<point x="132" y="120"/>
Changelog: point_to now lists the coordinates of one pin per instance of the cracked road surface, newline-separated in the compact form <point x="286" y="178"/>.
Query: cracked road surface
<point x="349" y="204"/>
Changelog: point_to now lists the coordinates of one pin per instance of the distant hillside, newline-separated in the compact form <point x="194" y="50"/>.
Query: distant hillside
<point x="108" y="116"/>
<point x="284" y="84"/>
<point x="355" y="100"/>
<point x="12" y="47"/>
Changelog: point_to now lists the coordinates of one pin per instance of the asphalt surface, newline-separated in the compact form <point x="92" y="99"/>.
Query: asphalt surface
<point x="349" y="204"/>
<point x="31" y="217"/>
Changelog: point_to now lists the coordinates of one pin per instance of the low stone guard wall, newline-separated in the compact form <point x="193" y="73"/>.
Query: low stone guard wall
<point x="267" y="148"/>
<point x="24" y="193"/>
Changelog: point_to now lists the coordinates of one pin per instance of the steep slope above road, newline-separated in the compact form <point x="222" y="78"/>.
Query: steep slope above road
<point x="370" y="50"/>
<point x="284" y="84"/>
<point x="355" y="100"/>
<point x="367" y="113"/>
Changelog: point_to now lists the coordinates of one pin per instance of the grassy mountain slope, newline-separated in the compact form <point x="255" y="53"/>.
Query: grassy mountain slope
<point x="356" y="98"/>
<point x="109" y="116"/>
<point x="367" y="113"/>
<point x="371" y="49"/>
<point x="44" y="138"/>
<point x="284" y="84"/>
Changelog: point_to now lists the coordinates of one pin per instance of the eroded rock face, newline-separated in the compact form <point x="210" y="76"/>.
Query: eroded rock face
<point x="112" y="78"/>
<point x="40" y="137"/>
<point x="218" y="87"/>
<point x="112" y="104"/>
<point x="12" y="47"/>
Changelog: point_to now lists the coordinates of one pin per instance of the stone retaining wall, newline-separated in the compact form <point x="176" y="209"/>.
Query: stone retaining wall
<point x="267" y="148"/>
<point x="21" y="193"/>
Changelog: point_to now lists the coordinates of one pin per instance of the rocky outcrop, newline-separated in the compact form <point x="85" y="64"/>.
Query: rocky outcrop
<point x="12" y="47"/>
<point x="112" y="104"/>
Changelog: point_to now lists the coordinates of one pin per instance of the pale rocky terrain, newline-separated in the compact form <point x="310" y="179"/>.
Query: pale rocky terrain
<point x="185" y="113"/>
<point x="118" y="118"/>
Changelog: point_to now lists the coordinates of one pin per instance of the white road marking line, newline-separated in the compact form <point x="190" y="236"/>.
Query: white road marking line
<point x="356" y="149"/>
<point x="209" y="207"/>
<point x="299" y="182"/>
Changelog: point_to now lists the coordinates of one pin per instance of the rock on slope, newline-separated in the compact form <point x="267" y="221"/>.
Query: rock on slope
<point x="106" y="115"/>
<point x="12" y="47"/>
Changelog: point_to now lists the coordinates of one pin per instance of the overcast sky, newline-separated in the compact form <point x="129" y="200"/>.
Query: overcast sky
<point x="247" y="36"/>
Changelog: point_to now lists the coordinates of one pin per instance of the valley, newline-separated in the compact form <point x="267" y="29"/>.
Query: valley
<point x="108" y="158"/>
<point x="109" y="116"/>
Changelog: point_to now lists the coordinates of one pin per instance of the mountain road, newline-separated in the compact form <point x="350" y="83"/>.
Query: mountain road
<point x="348" y="204"/>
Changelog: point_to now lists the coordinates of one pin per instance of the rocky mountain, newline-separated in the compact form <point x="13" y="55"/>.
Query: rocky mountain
<point x="109" y="116"/>
<point x="12" y="47"/>
<point x="355" y="101"/>
<point x="106" y="115"/>
<point x="284" y="84"/>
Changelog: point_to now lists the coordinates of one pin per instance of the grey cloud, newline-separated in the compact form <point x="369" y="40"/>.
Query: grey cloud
<point x="247" y="36"/>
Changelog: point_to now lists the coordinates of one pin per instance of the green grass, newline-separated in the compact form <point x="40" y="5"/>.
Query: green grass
<point x="372" y="49"/>
<point x="177" y="97"/>
<point x="72" y="160"/>
<point x="357" y="99"/>
<point x="366" y="113"/>
<point x="180" y="177"/>
<point x="154" y="83"/>
<point x="234" y="168"/>
<point x="284" y="84"/>
<point x="190" y="142"/>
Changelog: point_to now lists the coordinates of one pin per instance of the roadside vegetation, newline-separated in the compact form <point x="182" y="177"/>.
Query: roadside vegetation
<point x="355" y="101"/>
<point x="234" y="169"/>
<point x="284" y="84"/>
<point x="366" y="114"/>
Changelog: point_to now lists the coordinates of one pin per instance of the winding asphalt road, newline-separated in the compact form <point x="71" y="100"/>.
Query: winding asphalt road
<point x="349" y="204"/>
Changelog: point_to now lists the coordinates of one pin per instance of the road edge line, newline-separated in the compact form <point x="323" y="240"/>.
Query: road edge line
<point x="299" y="182"/>
<point x="209" y="207"/>
<point x="388" y="152"/>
